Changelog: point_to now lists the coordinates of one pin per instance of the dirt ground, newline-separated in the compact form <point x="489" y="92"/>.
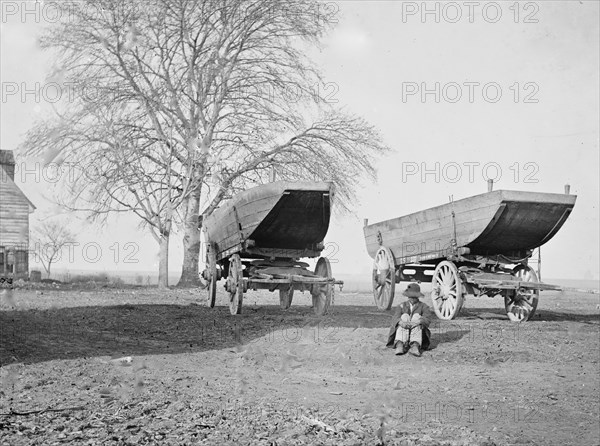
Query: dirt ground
<point x="139" y="366"/>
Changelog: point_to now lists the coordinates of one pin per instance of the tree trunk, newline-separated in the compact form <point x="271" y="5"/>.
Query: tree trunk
<point x="191" y="242"/>
<point x="163" y="262"/>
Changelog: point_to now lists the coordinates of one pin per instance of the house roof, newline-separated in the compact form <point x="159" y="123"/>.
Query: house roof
<point x="9" y="184"/>
<point x="7" y="157"/>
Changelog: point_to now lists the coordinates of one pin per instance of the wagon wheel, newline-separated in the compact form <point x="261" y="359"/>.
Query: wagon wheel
<point x="322" y="293"/>
<point x="384" y="280"/>
<point x="212" y="277"/>
<point x="446" y="290"/>
<point x="235" y="284"/>
<point x="520" y="305"/>
<point x="285" y="297"/>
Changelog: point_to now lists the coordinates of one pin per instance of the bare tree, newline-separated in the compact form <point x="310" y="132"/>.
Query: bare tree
<point x="112" y="167"/>
<point x="50" y="239"/>
<point x="206" y="96"/>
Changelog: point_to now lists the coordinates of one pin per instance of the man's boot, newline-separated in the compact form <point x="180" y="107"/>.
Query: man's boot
<point x="415" y="349"/>
<point x="401" y="348"/>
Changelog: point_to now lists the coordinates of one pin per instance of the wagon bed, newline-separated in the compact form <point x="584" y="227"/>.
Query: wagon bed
<point x="292" y="216"/>
<point x="495" y="223"/>
<point x="256" y="239"/>
<point x="477" y="245"/>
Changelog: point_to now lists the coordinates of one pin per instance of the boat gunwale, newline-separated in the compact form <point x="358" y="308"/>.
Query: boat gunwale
<point x="567" y="199"/>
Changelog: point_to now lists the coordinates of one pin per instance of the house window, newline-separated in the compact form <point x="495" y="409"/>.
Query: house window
<point x="10" y="262"/>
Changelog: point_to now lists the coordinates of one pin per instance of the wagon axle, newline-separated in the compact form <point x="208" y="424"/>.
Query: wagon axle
<point x="273" y="277"/>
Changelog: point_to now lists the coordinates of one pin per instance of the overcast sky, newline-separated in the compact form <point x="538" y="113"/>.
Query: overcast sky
<point x="511" y="93"/>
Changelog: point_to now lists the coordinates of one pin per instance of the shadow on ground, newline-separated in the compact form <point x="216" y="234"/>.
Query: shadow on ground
<point x="67" y="333"/>
<point x="540" y="315"/>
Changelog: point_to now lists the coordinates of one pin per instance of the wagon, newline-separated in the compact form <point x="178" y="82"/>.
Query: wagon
<point x="256" y="240"/>
<point x="469" y="247"/>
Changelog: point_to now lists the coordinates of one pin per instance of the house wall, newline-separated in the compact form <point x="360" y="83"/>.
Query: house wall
<point x="14" y="230"/>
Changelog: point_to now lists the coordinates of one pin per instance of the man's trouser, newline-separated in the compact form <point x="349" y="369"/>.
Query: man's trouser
<point x="409" y="335"/>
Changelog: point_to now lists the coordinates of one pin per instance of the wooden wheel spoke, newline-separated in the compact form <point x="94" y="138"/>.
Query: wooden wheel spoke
<point x="211" y="268"/>
<point x="520" y="305"/>
<point x="383" y="278"/>
<point x="524" y="302"/>
<point x="443" y="276"/>
<point x="447" y="290"/>
<point x="236" y="284"/>
<point x="285" y="297"/>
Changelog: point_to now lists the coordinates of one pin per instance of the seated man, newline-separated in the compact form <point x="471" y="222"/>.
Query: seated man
<point x="410" y="324"/>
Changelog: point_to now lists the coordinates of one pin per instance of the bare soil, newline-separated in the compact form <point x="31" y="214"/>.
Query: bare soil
<point x="142" y="366"/>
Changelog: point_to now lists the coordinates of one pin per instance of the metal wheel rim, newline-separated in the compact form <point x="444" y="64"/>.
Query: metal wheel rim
<point x="384" y="266"/>
<point x="212" y="292"/>
<point x="521" y="305"/>
<point x="236" y="293"/>
<point x="322" y="293"/>
<point x="446" y="293"/>
<point x="212" y="283"/>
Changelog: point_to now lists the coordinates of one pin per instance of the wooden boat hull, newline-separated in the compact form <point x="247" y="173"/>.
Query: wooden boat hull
<point x="281" y="216"/>
<point x="494" y="223"/>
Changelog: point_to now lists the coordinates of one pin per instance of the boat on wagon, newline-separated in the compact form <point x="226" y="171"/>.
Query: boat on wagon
<point x="256" y="240"/>
<point x="478" y="245"/>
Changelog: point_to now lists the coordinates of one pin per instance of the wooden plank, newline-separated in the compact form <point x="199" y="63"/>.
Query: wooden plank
<point x="511" y="284"/>
<point x="429" y="231"/>
<point x="283" y="252"/>
<point x="14" y="220"/>
<point x="306" y="280"/>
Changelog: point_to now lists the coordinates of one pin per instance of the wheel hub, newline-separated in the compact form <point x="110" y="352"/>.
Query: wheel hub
<point x="445" y="291"/>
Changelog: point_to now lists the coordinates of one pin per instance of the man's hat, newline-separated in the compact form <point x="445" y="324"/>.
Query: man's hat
<point x="413" y="290"/>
